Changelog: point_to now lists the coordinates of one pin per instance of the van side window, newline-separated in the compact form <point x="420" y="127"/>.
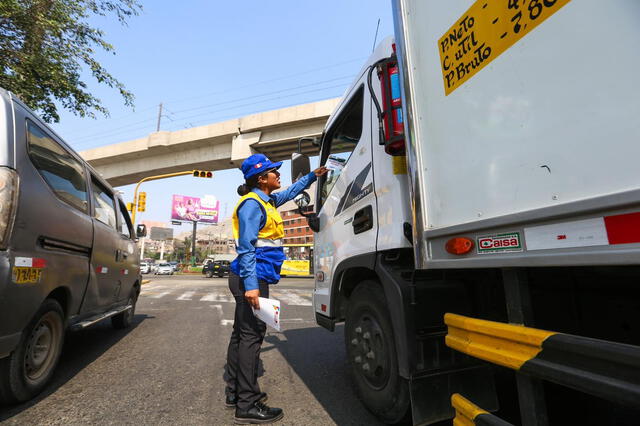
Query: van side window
<point x="125" y="222"/>
<point x="340" y="141"/>
<point x="104" y="209"/>
<point x="59" y="169"/>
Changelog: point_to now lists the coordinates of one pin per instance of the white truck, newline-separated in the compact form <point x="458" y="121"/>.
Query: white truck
<point x="479" y="231"/>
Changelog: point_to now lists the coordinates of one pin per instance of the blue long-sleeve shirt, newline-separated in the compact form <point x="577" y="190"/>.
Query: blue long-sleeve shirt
<point x="251" y="219"/>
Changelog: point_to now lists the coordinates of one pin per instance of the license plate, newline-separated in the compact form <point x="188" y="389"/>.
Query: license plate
<point x="25" y="275"/>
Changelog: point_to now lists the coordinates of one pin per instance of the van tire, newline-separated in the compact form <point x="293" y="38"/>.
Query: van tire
<point x="372" y="356"/>
<point x="26" y="372"/>
<point x="209" y="274"/>
<point x="125" y="319"/>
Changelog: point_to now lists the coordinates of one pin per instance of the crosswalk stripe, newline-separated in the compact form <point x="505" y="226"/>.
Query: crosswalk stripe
<point x="187" y="295"/>
<point x="292" y="297"/>
<point x="211" y="297"/>
<point x="289" y="297"/>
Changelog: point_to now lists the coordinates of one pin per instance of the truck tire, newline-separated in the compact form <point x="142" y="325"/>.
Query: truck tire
<point x="28" y="369"/>
<point x="125" y="319"/>
<point x="371" y="351"/>
<point x="209" y="274"/>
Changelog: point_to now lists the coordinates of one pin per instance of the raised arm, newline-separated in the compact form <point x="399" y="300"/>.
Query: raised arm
<point x="295" y="189"/>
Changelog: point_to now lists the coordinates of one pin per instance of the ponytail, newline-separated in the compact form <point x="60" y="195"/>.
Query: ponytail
<point x="243" y="189"/>
<point x="248" y="185"/>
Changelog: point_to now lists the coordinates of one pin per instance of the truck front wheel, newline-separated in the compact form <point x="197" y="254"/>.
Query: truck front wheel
<point x="372" y="354"/>
<point x="25" y="372"/>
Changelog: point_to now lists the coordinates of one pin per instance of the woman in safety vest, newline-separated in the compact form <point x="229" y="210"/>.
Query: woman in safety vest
<point x="258" y="230"/>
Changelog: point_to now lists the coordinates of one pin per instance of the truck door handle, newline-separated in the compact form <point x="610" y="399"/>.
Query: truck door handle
<point x="363" y="220"/>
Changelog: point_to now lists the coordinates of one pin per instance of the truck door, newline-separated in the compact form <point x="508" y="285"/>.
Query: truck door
<point x="128" y="256"/>
<point x="345" y="195"/>
<point x="105" y="265"/>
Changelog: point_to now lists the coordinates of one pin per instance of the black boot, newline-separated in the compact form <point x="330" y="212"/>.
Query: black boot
<point x="232" y="399"/>
<point x="258" y="414"/>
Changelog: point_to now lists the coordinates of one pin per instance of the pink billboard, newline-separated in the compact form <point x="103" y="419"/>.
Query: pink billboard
<point x="195" y="209"/>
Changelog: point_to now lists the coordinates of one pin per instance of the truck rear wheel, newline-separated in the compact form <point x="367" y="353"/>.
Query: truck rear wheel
<point x="25" y="372"/>
<point x="372" y="354"/>
<point x="209" y="274"/>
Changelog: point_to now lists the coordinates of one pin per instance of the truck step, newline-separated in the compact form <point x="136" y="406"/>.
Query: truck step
<point x="605" y="369"/>
<point x="96" y="319"/>
<point x="468" y="414"/>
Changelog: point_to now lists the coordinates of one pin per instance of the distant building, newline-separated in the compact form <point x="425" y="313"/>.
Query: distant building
<point x="296" y="230"/>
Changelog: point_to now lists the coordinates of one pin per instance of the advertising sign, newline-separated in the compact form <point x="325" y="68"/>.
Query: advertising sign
<point x="159" y="234"/>
<point x="203" y="210"/>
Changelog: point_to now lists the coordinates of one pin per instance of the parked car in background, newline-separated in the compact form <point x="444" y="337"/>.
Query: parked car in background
<point x="68" y="255"/>
<point x="174" y="265"/>
<point x="164" y="269"/>
<point x="219" y="268"/>
<point x="145" y="268"/>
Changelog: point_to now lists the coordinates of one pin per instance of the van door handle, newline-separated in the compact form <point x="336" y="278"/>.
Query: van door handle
<point x="118" y="255"/>
<point x="363" y="220"/>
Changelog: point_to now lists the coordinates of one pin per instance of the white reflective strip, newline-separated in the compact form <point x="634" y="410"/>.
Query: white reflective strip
<point x="263" y="242"/>
<point x="24" y="261"/>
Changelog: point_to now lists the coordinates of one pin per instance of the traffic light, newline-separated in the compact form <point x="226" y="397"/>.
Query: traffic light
<point x="142" y="201"/>
<point x="130" y="207"/>
<point x="203" y="173"/>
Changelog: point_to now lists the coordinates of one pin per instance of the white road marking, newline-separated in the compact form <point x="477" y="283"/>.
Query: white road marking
<point x="187" y="295"/>
<point x="226" y="322"/>
<point x="289" y="297"/>
<point x="211" y="297"/>
<point x="217" y="308"/>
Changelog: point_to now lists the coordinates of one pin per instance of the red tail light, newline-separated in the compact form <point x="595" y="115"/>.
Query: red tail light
<point x="388" y="74"/>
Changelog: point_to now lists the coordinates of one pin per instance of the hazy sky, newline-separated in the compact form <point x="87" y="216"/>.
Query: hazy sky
<point x="209" y="61"/>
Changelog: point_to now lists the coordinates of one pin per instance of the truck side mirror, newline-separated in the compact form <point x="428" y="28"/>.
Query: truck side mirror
<point x="302" y="200"/>
<point x="141" y="231"/>
<point x="300" y="166"/>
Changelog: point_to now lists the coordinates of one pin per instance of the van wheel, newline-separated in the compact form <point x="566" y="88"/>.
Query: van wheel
<point x="125" y="319"/>
<point x="209" y="274"/>
<point x="28" y="369"/>
<point x="372" y="354"/>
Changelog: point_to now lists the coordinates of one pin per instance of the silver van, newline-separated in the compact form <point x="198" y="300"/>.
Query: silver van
<point x="68" y="255"/>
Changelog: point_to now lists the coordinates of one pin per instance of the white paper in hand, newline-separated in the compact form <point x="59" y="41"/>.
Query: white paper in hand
<point x="269" y="312"/>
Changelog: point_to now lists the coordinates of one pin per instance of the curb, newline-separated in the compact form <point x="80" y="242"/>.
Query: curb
<point x="146" y="281"/>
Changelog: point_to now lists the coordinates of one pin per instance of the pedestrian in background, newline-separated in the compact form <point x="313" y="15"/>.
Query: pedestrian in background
<point x="259" y="231"/>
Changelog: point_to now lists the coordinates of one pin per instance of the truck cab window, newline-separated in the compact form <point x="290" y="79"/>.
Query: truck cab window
<point x="59" y="169"/>
<point x="104" y="209"/>
<point x="340" y="141"/>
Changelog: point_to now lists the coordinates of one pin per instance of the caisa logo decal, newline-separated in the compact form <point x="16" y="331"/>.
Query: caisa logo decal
<point x="499" y="242"/>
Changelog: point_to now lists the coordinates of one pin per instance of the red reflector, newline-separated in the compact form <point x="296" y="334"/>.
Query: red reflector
<point x="623" y="228"/>
<point x="459" y="245"/>
<point x="323" y="307"/>
<point x="209" y="174"/>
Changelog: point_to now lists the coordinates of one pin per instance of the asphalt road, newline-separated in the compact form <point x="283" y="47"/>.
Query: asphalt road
<point x="167" y="368"/>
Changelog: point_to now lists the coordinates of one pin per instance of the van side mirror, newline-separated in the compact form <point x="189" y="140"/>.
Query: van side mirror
<point x="300" y="166"/>
<point x="141" y="231"/>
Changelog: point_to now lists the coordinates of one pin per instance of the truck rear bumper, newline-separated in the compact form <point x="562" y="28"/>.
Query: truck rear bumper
<point x="8" y="343"/>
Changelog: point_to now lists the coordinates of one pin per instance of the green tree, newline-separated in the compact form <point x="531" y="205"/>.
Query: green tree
<point x="46" y="44"/>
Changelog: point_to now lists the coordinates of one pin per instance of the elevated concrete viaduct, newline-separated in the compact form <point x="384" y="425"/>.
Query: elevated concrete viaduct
<point x="216" y="146"/>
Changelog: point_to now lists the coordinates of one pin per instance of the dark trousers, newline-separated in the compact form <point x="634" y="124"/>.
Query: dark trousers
<point x="243" y="355"/>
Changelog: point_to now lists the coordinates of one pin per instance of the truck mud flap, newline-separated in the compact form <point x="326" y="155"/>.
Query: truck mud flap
<point x="430" y="393"/>
<point x="467" y="414"/>
<point x="601" y="368"/>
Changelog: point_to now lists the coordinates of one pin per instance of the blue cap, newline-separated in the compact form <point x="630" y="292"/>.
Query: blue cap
<point x="256" y="164"/>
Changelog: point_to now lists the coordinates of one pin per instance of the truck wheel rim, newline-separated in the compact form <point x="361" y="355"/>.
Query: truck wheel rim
<point x="370" y="352"/>
<point x="42" y="346"/>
